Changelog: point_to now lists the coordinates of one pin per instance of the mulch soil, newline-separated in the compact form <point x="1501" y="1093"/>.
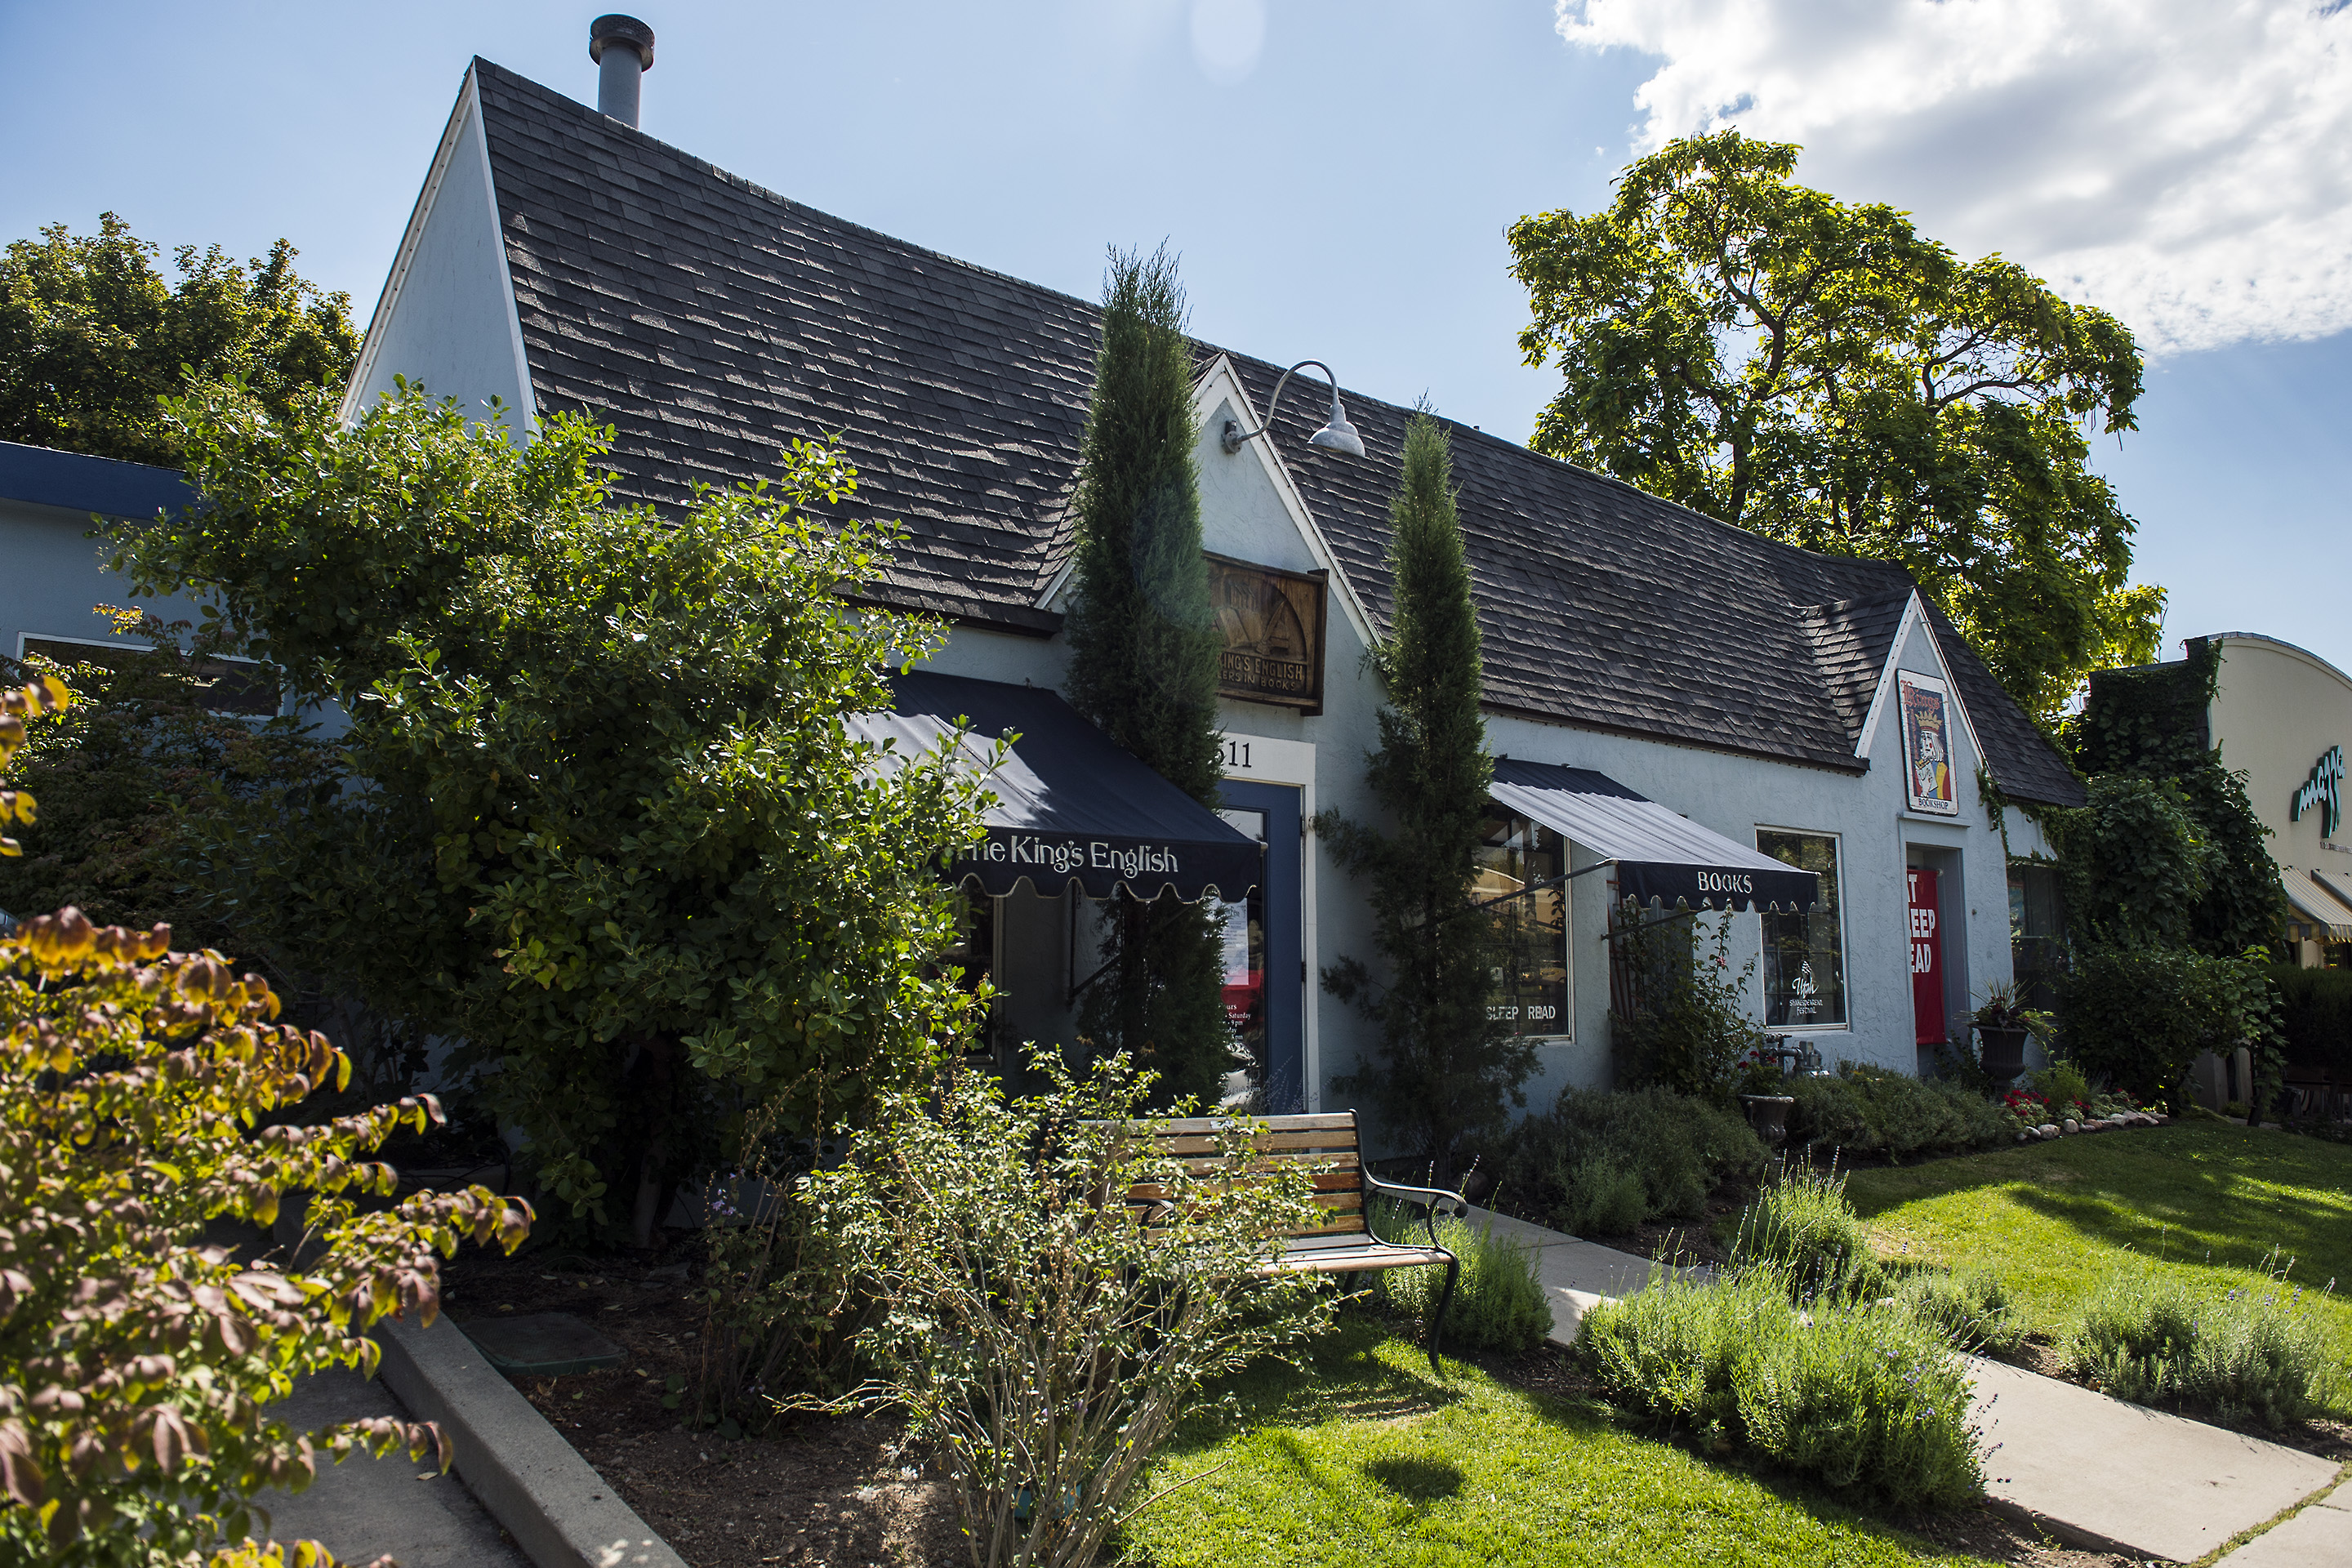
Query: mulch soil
<point x="833" y="1492"/>
<point x="843" y="1492"/>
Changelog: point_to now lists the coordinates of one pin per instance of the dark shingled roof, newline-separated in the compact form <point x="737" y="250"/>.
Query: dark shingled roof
<point x="711" y="321"/>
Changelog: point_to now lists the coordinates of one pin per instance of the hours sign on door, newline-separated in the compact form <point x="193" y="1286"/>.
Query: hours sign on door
<point x="1926" y="959"/>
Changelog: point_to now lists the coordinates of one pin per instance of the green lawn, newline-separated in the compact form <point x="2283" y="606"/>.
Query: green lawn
<point x="2197" y="1199"/>
<point x="1364" y="1459"/>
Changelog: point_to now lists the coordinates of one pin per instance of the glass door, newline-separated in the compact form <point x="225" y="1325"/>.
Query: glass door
<point x="1265" y="965"/>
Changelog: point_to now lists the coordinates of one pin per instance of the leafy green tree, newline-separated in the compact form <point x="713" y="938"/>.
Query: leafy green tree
<point x="607" y="825"/>
<point x="92" y="338"/>
<point x="1825" y="374"/>
<point x="1443" y="1071"/>
<point x="1143" y="665"/>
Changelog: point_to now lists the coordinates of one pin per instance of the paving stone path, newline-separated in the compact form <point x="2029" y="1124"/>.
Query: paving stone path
<point x="363" y="1506"/>
<point x="2088" y="1469"/>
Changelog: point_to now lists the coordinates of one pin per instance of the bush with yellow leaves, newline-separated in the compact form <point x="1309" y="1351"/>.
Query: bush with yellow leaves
<point x="137" y="1362"/>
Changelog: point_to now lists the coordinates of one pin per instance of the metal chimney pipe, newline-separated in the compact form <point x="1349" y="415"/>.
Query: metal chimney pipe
<point x="623" y="49"/>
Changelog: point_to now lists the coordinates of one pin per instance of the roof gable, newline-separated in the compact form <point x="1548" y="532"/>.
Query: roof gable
<point x="711" y="322"/>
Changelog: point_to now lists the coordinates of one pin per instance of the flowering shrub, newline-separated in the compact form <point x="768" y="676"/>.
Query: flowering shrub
<point x="2253" y="1352"/>
<point x="136" y="1362"/>
<point x="1865" y="1398"/>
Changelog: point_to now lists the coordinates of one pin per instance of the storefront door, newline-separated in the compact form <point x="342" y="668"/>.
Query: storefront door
<point x="1265" y="964"/>
<point x="1926" y="959"/>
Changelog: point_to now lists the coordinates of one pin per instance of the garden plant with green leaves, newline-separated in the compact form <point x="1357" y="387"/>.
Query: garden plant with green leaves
<point x="139" y="1089"/>
<point x="1042" y="1332"/>
<point x="603" y="821"/>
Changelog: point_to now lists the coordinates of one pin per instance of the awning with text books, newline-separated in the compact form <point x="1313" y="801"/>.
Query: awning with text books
<point x="2320" y="903"/>
<point x="1070" y="805"/>
<point x="1661" y="857"/>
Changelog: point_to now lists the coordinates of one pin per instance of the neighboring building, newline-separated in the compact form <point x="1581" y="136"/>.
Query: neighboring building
<point x="1686" y="710"/>
<point x="2283" y="716"/>
<point x="53" y="573"/>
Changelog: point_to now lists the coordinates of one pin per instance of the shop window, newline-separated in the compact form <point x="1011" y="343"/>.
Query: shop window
<point x="2037" y="933"/>
<point x="973" y="952"/>
<point x="1530" y="973"/>
<point x="1804" y="950"/>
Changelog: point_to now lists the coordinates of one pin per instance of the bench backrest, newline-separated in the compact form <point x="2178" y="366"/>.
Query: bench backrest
<point x="1326" y="1142"/>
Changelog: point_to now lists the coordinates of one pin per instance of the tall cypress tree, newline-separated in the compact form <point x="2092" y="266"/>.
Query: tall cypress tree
<point x="1444" y="1069"/>
<point x="1143" y="664"/>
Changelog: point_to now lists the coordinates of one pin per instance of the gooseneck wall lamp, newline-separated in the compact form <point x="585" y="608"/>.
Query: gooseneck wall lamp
<point x="1337" y="434"/>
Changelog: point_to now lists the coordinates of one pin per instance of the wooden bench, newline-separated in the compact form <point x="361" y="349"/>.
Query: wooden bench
<point x="1345" y="1242"/>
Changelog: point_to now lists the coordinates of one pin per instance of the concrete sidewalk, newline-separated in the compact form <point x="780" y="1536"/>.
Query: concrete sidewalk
<point x="363" y="1506"/>
<point x="2089" y="1469"/>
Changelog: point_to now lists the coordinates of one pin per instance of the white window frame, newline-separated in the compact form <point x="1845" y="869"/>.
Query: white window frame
<point x="24" y="638"/>
<point x="1845" y="966"/>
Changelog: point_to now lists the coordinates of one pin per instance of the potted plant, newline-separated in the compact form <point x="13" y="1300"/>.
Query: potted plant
<point x="1761" y="1078"/>
<point x="2001" y="1022"/>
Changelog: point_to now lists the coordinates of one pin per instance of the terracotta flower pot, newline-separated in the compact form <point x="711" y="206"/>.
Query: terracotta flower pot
<point x="1769" y="1115"/>
<point x="2002" y="1052"/>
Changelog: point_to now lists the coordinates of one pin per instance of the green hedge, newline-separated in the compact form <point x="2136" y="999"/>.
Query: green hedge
<point x="1871" y="1111"/>
<point x="1599" y="1165"/>
<point x="2316" y="1015"/>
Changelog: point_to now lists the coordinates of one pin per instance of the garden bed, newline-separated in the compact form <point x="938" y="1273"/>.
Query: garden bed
<point x="823" y="1490"/>
<point x="843" y="1491"/>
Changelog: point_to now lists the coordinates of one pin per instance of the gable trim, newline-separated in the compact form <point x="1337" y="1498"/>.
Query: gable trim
<point x="1220" y="382"/>
<point x="465" y="113"/>
<point x="1914" y="614"/>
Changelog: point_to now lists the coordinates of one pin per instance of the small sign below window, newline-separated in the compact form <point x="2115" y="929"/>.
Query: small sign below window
<point x="1271" y="623"/>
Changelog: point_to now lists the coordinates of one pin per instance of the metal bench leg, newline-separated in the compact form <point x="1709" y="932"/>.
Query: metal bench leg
<point x="1445" y="1299"/>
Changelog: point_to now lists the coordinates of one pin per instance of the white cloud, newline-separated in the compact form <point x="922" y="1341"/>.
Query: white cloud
<point x="2184" y="164"/>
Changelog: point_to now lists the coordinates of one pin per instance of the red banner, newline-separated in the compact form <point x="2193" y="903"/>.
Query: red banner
<point x="1926" y="960"/>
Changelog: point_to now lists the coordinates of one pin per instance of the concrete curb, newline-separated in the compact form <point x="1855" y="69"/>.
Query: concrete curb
<point x="558" y="1509"/>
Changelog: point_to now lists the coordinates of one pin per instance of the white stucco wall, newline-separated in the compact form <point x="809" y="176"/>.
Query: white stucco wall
<point x="447" y="316"/>
<point x="1244" y="516"/>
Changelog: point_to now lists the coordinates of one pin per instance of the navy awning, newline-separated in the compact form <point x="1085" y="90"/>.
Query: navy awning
<point x="1069" y="806"/>
<point x="1661" y="857"/>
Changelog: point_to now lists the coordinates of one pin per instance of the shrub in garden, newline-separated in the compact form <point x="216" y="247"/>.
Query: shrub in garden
<point x="135" y="1360"/>
<point x="1599" y="1165"/>
<point x="1498" y="1302"/>
<point x="2249" y="1352"/>
<point x="1038" y="1333"/>
<point x="1802" y="1229"/>
<point x="1859" y="1397"/>
<point x="1685" y="1025"/>
<point x="783" y="1305"/>
<point x="1970" y="1307"/>
<point x="2316" y="1015"/>
<point x="1865" y="1110"/>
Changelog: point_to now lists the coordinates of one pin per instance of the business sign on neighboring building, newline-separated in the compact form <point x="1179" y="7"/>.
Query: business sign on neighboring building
<point x="1928" y="780"/>
<point x="2323" y="792"/>
<point x="1272" y="622"/>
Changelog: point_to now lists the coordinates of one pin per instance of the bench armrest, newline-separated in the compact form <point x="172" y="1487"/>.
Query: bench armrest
<point x="1432" y="1200"/>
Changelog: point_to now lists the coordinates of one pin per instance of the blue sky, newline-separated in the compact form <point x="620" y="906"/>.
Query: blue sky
<point x="1337" y="187"/>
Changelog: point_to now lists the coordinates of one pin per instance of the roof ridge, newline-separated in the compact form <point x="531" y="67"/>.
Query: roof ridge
<point x="610" y="125"/>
